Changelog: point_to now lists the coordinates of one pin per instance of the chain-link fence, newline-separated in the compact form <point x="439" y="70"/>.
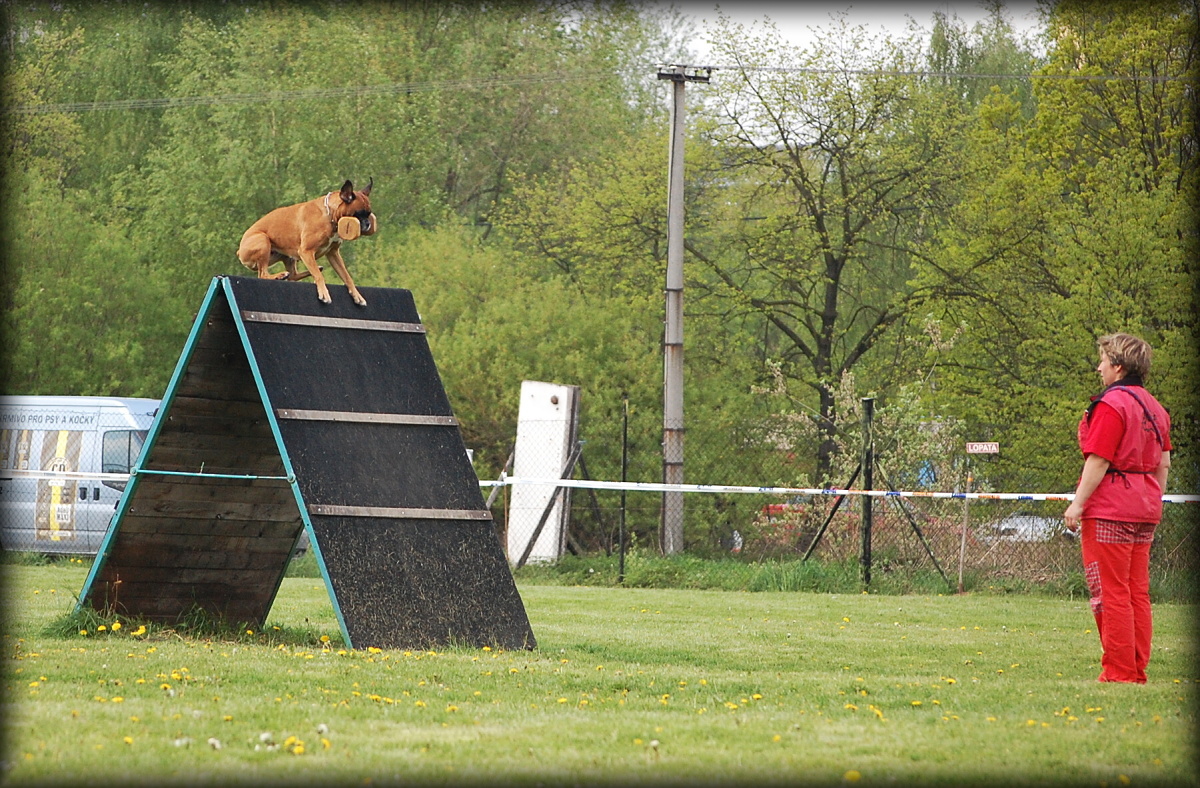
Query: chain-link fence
<point x="917" y="540"/>
<point x="929" y="542"/>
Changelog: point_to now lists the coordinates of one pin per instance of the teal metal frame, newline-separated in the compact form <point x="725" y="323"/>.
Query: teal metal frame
<point x="219" y="284"/>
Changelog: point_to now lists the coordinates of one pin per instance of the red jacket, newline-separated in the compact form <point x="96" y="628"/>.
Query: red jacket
<point x="1128" y="427"/>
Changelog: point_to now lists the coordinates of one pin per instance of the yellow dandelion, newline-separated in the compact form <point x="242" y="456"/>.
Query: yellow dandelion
<point x="852" y="776"/>
<point x="916" y="703"/>
<point x="128" y="740"/>
<point x="101" y="628"/>
<point x="116" y="626"/>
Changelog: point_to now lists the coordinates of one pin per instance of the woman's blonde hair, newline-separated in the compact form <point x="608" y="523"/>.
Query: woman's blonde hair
<point x="1126" y="350"/>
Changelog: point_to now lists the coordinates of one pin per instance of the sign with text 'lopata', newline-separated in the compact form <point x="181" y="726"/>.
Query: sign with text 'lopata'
<point x="987" y="447"/>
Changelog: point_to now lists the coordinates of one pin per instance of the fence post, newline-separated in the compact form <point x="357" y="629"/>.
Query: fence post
<point x="868" y="463"/>
<point x="624" y="473"/>
<point x="962" y="548"/>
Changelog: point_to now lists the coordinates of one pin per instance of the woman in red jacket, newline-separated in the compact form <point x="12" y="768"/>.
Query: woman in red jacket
<point x="1125" y="437"/>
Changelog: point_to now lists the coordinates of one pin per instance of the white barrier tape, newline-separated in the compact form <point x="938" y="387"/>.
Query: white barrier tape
<point x="724" y="488"/>
<point x="8" y="473"/>
<point x="658" y="487"/>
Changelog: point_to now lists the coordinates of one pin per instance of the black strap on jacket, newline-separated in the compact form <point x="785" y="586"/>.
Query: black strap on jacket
<point x="1123" y="385"/>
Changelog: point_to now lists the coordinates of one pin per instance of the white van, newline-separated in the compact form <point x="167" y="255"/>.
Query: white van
<point x="63" y="463"/>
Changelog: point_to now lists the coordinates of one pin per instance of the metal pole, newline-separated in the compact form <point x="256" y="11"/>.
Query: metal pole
<point x="962" y="547"/>
<point x="624" y="474"/>
<point x="868" y="463"/>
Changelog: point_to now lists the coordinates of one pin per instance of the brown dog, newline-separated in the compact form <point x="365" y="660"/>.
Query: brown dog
<point x="307" y="231"/>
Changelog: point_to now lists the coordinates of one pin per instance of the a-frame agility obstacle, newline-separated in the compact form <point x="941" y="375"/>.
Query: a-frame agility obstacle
<point x="287" y="416"/>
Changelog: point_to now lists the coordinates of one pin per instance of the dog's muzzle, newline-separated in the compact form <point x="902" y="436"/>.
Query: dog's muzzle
<point x="364" y="221"/>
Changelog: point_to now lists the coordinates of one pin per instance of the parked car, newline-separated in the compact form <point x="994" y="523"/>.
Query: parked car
<point x="1024" y="528"/>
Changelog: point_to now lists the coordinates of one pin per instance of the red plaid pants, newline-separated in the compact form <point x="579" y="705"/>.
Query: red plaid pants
<point x="1116" y="563"/>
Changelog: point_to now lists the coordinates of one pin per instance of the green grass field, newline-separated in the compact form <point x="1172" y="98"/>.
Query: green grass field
<point x="628" y="686"/>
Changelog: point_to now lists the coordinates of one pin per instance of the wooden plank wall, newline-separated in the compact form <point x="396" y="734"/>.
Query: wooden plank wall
<point x="218" y="544"/>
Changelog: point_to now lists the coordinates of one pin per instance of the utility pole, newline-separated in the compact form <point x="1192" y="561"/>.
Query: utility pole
<point x="671" y="528"/>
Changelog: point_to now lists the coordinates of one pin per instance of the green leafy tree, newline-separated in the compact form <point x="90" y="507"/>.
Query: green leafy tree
<point x="68" y="275"/>
<point x="1075" y="224"/>
<point x="838" y="165"/>
<point x="213" y="114"/>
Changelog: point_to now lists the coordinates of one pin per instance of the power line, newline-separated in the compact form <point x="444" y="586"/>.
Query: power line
<point x="946" y="74"/>
<point x="361" y="91"/>
<point x="354" y="91"/>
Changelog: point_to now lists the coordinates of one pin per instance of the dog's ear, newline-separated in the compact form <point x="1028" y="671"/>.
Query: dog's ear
<point x="367" y="191"/>
<point x="347" y="192"/>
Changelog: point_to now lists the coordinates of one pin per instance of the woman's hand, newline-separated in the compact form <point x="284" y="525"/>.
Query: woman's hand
<point x="1094" y="468"/>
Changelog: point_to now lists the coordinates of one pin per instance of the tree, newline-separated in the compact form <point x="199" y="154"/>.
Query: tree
<point x="1076" y="223"/>
<point x="987" y="55"/>
<point x="836" y="165"/>
<point x="250" y="107"/>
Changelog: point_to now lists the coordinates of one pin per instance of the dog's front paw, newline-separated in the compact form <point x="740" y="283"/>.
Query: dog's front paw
<point x="358" y="299"/>
<point x="323" y="296"/>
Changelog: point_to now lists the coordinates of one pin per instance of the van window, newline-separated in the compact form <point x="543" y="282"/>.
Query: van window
<point x="120" y="451"/>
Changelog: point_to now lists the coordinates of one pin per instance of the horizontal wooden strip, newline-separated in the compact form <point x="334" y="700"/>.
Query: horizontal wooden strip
<point x="214" y="408"/>
<point x="199" y="549"/>
<point x="218" y="510"/>
<point x="365" y="418"/>
<point x="135" y="523"/>
<point x="333" y="510"/>
<point x="332" y="322"/>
